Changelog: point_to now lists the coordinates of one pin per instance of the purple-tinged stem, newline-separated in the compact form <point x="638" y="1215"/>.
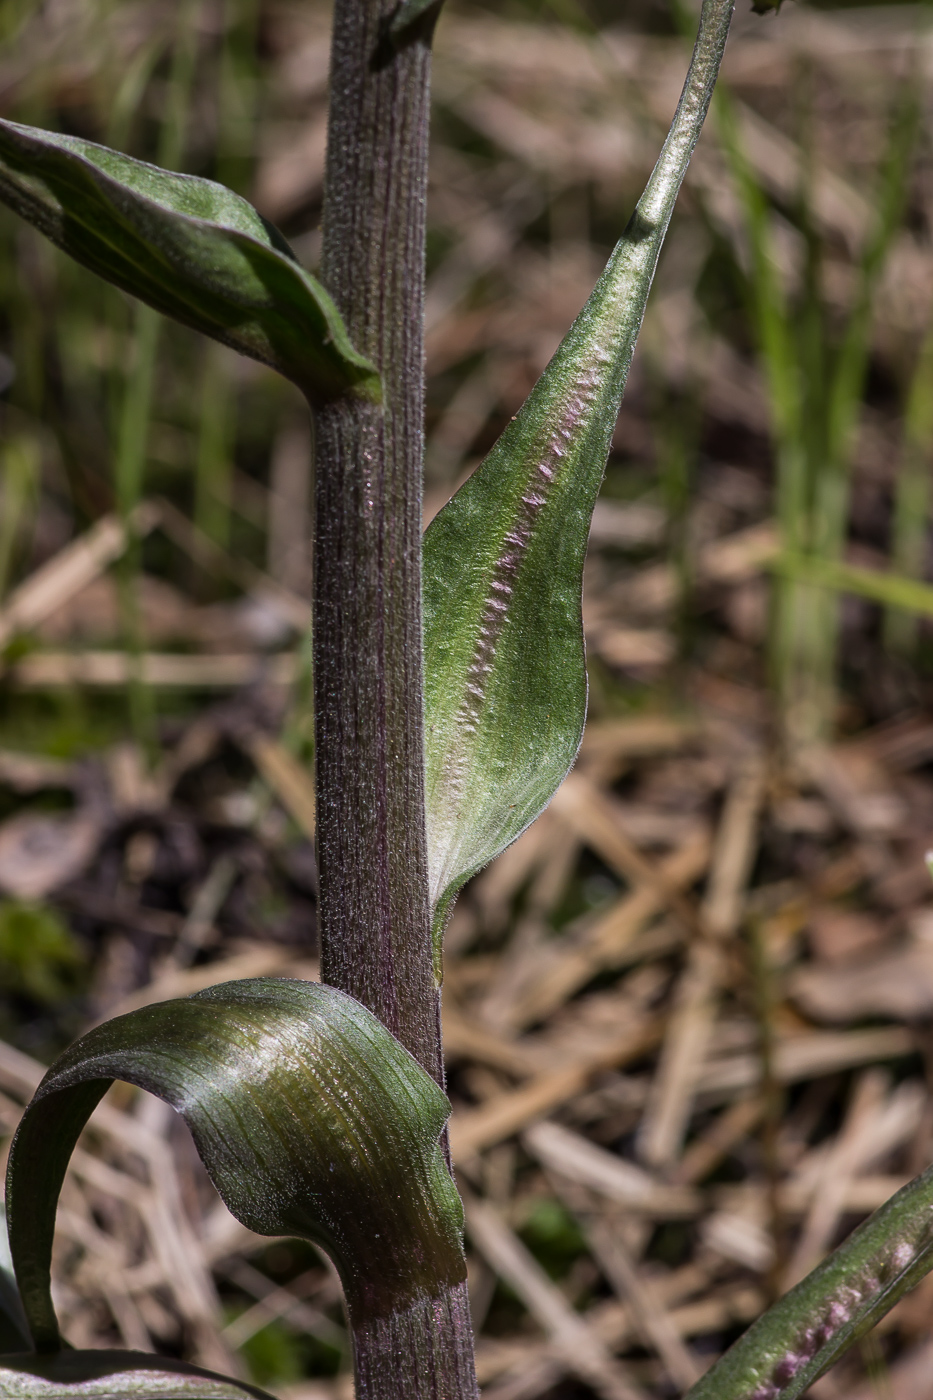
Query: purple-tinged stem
<point x="368" y="683"/>
<point x="368" y="692"/>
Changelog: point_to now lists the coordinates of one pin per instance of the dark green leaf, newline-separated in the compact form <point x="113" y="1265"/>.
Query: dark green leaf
<point x="189" y="247"/>
<point x="114" y="1375"/>
<point x="409" y="13"/>
<point x="310" y="1117"/>
<point x="505" y="679"/>
<point x="800" y="1337"/>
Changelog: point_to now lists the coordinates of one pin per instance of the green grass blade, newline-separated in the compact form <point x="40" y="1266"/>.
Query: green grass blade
<point x="505" y="680"/>
<point x="215" y="442"/>
<point x="138" y="390"/>
<point x="20" y="466"/>
<point x="770" y="315"/>
<point x="847" y="382"/>
<point x="892" y="590"/>
<point x="912" y="491"/>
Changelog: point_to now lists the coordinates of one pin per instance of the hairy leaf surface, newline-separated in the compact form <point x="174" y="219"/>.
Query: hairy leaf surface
<point x="310" y="1117"/>
<point x="505" y="677"/>
<point x="115" y="1375"/>
<point x="189" y="247"/>
<point x="802" y="1335"/>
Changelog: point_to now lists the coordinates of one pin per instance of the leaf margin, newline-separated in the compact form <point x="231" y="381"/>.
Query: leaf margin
<point x="614" y="312"/>
<point x="100" y="1363"/>
<point x="30" y="158"/>
<point x="401" y="1178"/>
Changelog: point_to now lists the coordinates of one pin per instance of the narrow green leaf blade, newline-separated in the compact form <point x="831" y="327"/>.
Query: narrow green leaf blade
<point x="310" y="1117"/>
<point x="115" y="1375"/>
<point x="188" y="247"/>
<point x="505" y="678"/>
<point x="806" y="1332"/>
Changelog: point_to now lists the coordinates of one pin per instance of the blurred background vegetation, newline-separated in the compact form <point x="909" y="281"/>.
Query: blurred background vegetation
<point x="758" y="608"/>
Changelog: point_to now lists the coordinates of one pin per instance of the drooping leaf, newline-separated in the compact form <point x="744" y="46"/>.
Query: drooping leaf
<point x="802" y="1335"/>
<point x="505" y="680"/>
<point x="14" y="1330"/>
<point x="189" y="247"/>
<point x="114" y="1375"/>
<point x="310" y="1117"/>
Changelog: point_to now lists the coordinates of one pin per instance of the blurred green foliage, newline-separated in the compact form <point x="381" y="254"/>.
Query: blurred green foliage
<point x="277" y="1355"/>
<point x="553" y="1236"/>
<point x="39" y="956"/>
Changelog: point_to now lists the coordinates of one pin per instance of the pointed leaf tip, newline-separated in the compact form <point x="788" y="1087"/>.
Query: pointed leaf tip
<point x="188" y="247"/>
<point x="311" y="1118"/>
<point x="505" y="677"/>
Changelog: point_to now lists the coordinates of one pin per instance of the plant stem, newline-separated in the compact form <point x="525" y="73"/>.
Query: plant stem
<point x="374" y="914"/>
<point x="424" y="1352"/>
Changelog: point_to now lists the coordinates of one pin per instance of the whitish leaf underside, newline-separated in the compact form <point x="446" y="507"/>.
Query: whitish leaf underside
<point x="505" y="678"/>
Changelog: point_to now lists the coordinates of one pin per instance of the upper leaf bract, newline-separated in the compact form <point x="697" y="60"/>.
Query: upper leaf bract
<point x="188" y="247"/>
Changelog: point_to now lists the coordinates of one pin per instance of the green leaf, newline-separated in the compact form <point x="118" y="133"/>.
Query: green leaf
<point x="801" y="1336"/>
<point x="310" y="1117"/>
<point x="114" y="1375"/>
<point x="505" y="677"/>
<point x="190" y="248"/>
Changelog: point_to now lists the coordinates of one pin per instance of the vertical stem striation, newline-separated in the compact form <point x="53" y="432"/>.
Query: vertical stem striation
<point x="424" y="1352"/>
<point x="368" y="686"/>
<point x="374" y="914"/>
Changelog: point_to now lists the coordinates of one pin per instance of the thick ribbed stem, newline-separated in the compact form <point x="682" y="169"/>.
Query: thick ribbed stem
<point x="374" y="910"/>
<point x="423" y="1351"/>
<point x="374" y="917"/>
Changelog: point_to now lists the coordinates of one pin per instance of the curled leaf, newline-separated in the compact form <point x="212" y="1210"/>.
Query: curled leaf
<point x="505" y="677"/>
<point x="802" y="1335"/>
<point x="310" y="1117"/>
<point x="186" y="246"/>
<point x="114" y="1375"/>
